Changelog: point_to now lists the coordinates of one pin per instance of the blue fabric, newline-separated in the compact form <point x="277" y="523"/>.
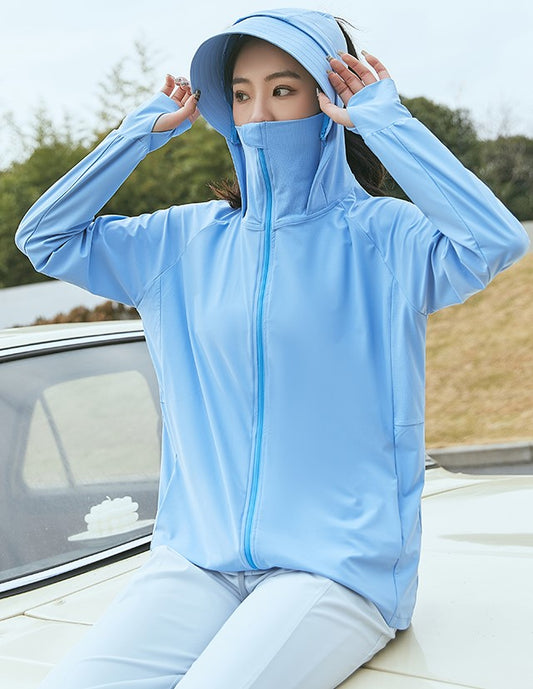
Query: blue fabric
<point x="288" y="338"/>
<point x="307" y="35"/>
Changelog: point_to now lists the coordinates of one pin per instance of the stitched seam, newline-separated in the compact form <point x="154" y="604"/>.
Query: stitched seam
<point x="111" y="144"/>
<point x="394" y="577"/>
<point x="390" y="125"/>
<point x="371" y="239"/>
<point x="443" y="194"/>
<point x="160" y="275"/>
<point x="302" y="219"/>
<point x="223" y="581"/>
<point x="321" y="594"/>
<point x="377" y="646"/>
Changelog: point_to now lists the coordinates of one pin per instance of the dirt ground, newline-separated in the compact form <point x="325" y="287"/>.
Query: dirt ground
<point x="480" y="365"/>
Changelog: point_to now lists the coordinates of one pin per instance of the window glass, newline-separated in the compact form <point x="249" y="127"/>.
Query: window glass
<point x="93" y="429"/>
<point x="42" y="467"/>
<point x="79" y="454"/>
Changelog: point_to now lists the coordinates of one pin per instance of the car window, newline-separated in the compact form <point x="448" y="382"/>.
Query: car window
<point x="92" y="429"/>
<point x="79" y="462"/>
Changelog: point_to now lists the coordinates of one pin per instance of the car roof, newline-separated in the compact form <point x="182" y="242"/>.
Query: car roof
<point x="34" y="337"/>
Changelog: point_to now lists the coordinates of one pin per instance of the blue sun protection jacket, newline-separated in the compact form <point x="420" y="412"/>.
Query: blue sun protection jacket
<point x="287" y="336"/>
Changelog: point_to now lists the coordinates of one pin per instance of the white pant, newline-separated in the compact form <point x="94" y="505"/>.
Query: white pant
<point x="177" y="623"/>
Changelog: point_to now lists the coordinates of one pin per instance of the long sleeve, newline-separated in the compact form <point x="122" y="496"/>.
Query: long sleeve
<point x="457" y="236"/>
<point x="113" y="256"/>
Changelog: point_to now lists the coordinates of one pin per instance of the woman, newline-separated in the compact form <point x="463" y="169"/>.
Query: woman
<point x="287" y="333"/>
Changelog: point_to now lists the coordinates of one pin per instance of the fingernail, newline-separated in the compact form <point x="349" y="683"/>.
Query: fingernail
<point x="329" y="58"/>
<point x="197" y="94"/>
<point x="364" y="52"/>
<point x="181" y="81"/>
<point x="341" y="52"/>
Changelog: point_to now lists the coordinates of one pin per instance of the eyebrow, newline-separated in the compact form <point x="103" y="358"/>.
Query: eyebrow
<point x="270" y="77"/>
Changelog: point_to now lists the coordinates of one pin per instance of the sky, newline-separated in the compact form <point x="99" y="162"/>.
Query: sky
<point x="473" y="54"/>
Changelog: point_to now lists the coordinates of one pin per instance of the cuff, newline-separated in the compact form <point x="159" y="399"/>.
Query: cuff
<point x="139" y="123"/>
<point x="376" y="107"/>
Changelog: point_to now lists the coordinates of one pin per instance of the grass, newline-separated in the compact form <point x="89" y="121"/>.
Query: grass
<point x="479" y="386"/>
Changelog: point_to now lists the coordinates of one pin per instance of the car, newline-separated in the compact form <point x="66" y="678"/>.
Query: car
<point x="80" y="432"/>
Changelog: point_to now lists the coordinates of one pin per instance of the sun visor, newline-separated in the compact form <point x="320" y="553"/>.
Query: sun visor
<point x="308" y="36"/>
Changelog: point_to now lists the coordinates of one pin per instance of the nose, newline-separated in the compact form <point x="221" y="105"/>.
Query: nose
<point x="260" y="111"/>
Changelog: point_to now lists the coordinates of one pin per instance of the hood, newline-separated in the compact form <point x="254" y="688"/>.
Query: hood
<point x="309" y="37"/>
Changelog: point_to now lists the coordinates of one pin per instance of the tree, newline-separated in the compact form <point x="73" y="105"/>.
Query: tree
<point x="177" y="173"/>
<point x="119" y="94"/>
<point x="506" y="165"/>
<point x="181" y="171"/>
<point x="51" y="155"/>
<point x="454" y="128"/>
<point x="106" y="311"/>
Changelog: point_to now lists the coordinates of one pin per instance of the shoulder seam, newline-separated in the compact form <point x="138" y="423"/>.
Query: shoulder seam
<point x="177" y="260"/>
<point x="441" y="191"/>
<point x="370" y="238"/>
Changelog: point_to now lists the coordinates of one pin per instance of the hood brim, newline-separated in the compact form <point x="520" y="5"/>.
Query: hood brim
<point x="309" y="37"/>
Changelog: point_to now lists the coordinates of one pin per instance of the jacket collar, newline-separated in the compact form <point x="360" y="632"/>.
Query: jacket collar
<point x="297" y="166"/>
<point x="302" y="185"/>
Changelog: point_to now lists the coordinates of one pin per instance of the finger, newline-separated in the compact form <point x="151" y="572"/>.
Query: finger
<point x="182" y="90"/>
<point x="351" y="80"/>
<point x="189" y="106"/>
<point x="379" y="67"/>
<point x="341" y="87"/>
<point x="183" y="82"/>
<point x="169" y="85"/>
<point x="339" y="115"/>
<point x="362" y="71"/>
<point x="187" y="103"/>
<point x="171" y="120"/>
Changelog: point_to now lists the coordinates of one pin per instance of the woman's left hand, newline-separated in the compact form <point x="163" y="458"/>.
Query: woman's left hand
<point x="347" y="82"/>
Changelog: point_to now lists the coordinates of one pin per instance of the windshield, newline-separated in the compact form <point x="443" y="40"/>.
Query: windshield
<point x="79" y="455"/>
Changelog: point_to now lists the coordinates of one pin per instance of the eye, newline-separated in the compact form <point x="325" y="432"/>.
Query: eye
<point x="240" y="96"/>
<point x="282" y="91"/>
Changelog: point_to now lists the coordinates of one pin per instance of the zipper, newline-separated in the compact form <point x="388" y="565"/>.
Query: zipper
<point x="260" y="364"/>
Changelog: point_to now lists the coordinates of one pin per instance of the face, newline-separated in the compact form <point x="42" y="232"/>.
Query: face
<point x="270" y="85"/>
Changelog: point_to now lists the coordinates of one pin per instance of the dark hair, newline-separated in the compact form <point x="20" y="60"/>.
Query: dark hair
<point x="365" y="166"/>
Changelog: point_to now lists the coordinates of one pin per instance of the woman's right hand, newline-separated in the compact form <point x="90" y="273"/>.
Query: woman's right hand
<point x="179" y="90"/>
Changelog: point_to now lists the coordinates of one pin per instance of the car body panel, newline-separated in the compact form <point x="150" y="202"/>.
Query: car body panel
<point x="477" y="553"/>
<point x="81" y="607"/>
<point x="20" y="603"/>
<point x="39" y="626"/>
<point x="365" y="678"/>
<point x="462" y="637"/>
<point x="29" y="648"/>
<point x="471" y="626"/>
<point x="33" y="336"/>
